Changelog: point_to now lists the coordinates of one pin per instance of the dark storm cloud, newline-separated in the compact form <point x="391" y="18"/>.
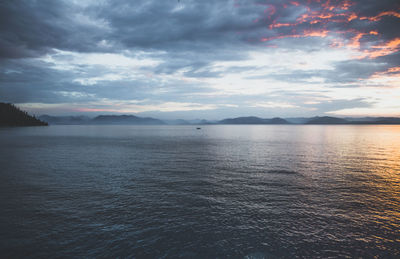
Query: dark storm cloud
<point x="32" y="81"/>
<point x="34" y="27"/>
<point x="31" y="28"/>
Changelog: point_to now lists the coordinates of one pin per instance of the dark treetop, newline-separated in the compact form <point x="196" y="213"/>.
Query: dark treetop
<point x="11" y="116"/>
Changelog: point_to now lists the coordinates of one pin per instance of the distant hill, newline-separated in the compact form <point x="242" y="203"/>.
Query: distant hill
<point x="177" y="122"/>
<point x="125" y="119"/>
<point x="253" y="120"/>
<point x="354" y="121"/>
<point x="11" y="116"/>
<point x="65" y="120"/>
<point x="388" y="120"/>
<point x="378" y="120"/>
<point x="327" y="120"/>
<point x="297" y="120"/>
<point x="205" y="122"/>
<point x="100" y="120"/>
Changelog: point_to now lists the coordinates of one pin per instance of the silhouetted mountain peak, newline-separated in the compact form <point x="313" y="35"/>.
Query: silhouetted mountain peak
<point x="65" y="120"/>
<point x="136" y="120"/>
<point x="278" y="120"/>
<point x="327" y="120"/>
<point x="115" y="117"/>
<point x="126" y="119"/>
<point x="253" y="120"/>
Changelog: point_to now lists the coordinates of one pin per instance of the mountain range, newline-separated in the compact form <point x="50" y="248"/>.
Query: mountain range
<point x="135" y="120"/>
<point x="253" y="120"/>
<point x="11" y="115"/>
<point x="125" y="119"/>
<point x="101" y="120"/>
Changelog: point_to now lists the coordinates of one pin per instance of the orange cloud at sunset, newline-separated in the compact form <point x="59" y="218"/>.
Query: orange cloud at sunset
<point x="383" y="49"/>
<point x="379" y="16"/>
<point x="394" y="69"/>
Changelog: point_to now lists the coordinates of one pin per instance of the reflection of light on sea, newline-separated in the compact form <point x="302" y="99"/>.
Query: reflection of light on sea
<point x="242" y="190"/>
<point x="359" y="166"/>
<point x="387" y="177"/>
<point x="372" y="178"/>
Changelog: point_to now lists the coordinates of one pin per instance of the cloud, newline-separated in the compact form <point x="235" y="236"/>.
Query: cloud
<point x="211" y="53"/>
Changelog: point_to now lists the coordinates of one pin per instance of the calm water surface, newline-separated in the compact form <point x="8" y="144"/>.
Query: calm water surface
<point x="218" y="192"/>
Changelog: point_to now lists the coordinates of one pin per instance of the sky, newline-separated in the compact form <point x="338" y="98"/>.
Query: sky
<point x="206" y="59"/>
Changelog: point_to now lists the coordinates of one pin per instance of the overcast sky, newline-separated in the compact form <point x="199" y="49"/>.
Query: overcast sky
<point x="207" y="59"/>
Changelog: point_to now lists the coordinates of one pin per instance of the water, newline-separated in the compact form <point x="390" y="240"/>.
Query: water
<point x="219" y="192"/>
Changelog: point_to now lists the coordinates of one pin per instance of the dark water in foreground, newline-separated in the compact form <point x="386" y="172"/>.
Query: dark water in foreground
<point x="222" y="191"/>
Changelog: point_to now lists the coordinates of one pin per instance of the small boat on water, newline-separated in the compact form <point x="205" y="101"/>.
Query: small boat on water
<point x="198" y="128"/>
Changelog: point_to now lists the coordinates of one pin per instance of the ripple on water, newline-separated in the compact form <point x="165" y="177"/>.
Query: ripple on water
<point x="166" y="192"/>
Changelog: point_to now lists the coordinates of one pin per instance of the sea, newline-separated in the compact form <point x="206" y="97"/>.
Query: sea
<point x="221" y="191"/>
